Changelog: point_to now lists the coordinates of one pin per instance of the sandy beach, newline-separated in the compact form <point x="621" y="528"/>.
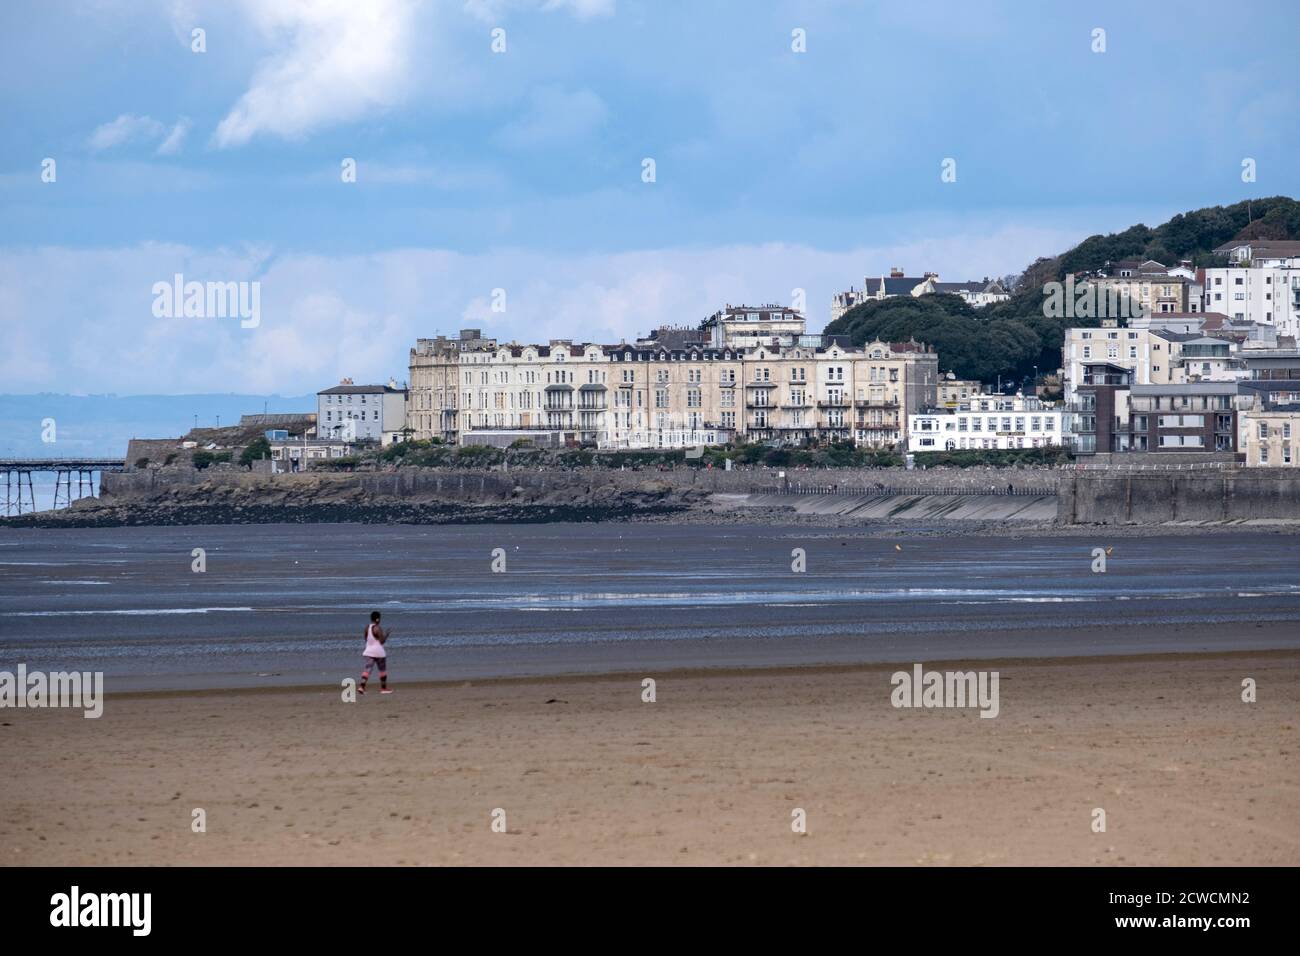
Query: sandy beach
<point x="588" y="773"/>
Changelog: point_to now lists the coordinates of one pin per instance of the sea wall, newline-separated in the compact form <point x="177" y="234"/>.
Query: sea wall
<point x="490" y="485"/>
<point x="1236" y="494"/>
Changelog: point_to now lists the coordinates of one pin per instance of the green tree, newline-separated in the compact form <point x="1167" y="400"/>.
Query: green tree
<point x="256" y="449"/>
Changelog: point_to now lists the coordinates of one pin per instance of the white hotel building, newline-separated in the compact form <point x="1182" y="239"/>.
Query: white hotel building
<point x="349" y="412"/>
<point x="989" y="422"/>
<point x="1262" y="285"/>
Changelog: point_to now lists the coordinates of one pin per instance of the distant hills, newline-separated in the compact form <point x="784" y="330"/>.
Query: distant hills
<point x="101" y="425"/>
<point x="1011" y="338"/>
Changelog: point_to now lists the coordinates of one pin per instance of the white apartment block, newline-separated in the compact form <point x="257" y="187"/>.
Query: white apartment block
<point x="1144" y="352"/>
<point x="349" y="412"/>
<point x="989" y="422"/>
<point x="640" y="396"/>
<point x="747" y="326"/>
<point x="1262" y="285"/>
<point x="1153" y="354"/>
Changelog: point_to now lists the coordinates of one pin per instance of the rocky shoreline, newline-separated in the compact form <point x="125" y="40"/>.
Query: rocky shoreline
<point x="145" y="514"/>
<point x="340" y="499"/>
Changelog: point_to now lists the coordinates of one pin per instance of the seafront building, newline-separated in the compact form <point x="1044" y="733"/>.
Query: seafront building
<point x="350" y="412"/>
<point x="751" y="374"/>
<point x="1272" y="437"/>
<point x="1261" y="284"/>
<point x="1209" y="386"/>
<point x="1176" y="349"/>
<point x="1156" y="288"/>
<point x="989" y="422"/>
<point x="1114" y="414"/>
<point x="953" y="390"/>
<point x="976" y="293"/>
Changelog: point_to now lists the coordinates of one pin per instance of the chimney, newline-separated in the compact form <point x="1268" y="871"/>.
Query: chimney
<point x="895" y="272"/>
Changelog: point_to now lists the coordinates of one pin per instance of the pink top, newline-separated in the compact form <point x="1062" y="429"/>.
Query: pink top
<point x="373" y="647"/>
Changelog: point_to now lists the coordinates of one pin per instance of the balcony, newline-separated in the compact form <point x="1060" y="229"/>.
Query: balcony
<point x="760" y="385"/>
<point x="834" y="403"/>
<point x="763" y="405"/>
<point x="874" y="403"/>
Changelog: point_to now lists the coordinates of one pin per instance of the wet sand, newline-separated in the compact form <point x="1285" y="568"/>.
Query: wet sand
<point x="588" y="773"/>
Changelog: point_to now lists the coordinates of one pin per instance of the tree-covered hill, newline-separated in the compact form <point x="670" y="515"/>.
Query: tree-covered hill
<point x="1011" y="338"/>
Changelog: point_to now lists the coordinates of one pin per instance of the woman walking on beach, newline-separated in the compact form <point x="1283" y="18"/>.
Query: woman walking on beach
<point x="375" y="654"/>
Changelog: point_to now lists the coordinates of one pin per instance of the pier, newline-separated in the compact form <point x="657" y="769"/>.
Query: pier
<point x="20" y="494"/>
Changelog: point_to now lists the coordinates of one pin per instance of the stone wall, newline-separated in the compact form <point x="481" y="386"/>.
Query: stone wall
<point x="1156" y="497"/>
<point x="157" y="450"/>
<point x="468" y="485"/>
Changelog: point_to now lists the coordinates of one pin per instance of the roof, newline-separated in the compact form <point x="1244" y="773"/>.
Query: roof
<point x="360" y="390"/>
<point x="1186" y="337"/>
<point x="1148" y="267"/>
<point x="282" y="418"/>
<point x="677" y="338"/>
<point x="1263" y="247"/>
<point x="894" y="285"/>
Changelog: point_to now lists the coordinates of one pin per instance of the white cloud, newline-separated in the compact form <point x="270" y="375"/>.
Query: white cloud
<point x="493" y="11"/>
<point x="129" y="128"/>
<point x="172" y="144"/>
<point x="124" y="129"/>
<point x="582" y="9"/>
<point x="82" y="318"/>
<point x="335" y="61"/>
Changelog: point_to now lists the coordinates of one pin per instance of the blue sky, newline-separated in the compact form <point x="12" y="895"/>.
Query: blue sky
<point x="521" y="170"/>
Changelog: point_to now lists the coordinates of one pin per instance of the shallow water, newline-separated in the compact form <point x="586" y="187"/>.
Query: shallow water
<point x="281" y="603"/>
